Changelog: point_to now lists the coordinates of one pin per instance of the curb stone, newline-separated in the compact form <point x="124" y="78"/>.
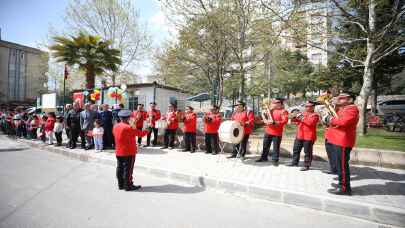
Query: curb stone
<point x="376" y="213"/>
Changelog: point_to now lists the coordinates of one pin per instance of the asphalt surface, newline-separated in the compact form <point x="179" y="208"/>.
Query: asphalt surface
<point x="42" y="189"/>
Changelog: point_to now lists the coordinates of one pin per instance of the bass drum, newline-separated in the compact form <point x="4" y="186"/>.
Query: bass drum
<point x="231" y="132"/>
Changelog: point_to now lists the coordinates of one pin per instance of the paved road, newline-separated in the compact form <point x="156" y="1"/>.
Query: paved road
<point x="42" y="189"/>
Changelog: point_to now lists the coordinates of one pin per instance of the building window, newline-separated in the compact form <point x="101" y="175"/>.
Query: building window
<point x="316" y="58"/>
<point x="16" y="75"/>
<point x="133" y="103"/>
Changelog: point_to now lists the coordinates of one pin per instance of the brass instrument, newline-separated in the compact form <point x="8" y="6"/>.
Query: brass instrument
<point x="267" y="118"/>
<point x="326" y="101"/>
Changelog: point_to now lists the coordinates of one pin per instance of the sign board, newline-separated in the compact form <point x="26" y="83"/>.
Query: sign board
<point x="48" y="101"/>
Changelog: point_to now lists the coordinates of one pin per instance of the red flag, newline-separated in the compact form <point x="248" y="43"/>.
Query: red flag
<point x="66" y="72"/>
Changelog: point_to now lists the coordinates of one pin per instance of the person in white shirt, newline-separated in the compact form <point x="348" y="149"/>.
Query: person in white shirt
<point x="58" y="129"/>
<point x="98" y="133"/>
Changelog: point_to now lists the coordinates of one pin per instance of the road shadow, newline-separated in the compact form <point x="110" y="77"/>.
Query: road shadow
<point x="362" y="173"/>
<point x="151" y="151"/>
<point x="5" y="150"/>
<point x="387" y="189"/>
<point x="171" y="188"/>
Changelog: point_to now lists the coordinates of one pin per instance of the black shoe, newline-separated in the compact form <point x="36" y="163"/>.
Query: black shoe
<point x="184" y="150"/>
<point x="132" y="188"/>
<point x="146" y="145"/>
<point x="87" y="148"/>
<point x="292" y="165"/>
<point x="232" y="156"/>
<point x="171" y="148"/>
<point x="164" y="147"/>
<point x="262" y="160"/>
<point x="275" y="163"/>
<point x="208" y="152"/>
<point x="339" y="191"/>
<point x="214" y="153"/>
<point x="72" y="147"/>
<point x="120" y="187"/>
<point x="304" y="168"/>
<point x="336" y="185"/>
<point x="192" y="151"/>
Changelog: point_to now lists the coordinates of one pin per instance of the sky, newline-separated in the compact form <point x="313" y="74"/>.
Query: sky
<point x="27" y="22"/>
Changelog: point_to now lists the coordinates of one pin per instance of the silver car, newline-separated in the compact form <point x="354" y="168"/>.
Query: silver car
<point x="391" y="106"/>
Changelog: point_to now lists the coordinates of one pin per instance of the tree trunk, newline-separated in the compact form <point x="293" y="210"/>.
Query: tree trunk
<point x="368" y="71"/>
<point x="242" y="85"/>
<point x="90" y="77"/>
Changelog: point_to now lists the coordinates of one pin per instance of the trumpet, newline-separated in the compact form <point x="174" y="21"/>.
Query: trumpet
<point x="267" y="117"/>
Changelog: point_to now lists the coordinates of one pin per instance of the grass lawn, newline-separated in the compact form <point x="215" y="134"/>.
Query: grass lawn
<point x="375" y="139"/>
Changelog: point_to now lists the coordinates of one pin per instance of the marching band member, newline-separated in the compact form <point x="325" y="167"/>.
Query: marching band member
<point x="342" y="138"/>
<point x="246" y="119"/>
<point x="212" y="121"/>
<point x="125" y="150"/>
<point x="153" y="116"/>
<point x="190" y="130"/>
<point x="274" y="127"/>
<point x="172" y="125"/>
<point x="306" y="135"/>
<point x="139" y="116"/>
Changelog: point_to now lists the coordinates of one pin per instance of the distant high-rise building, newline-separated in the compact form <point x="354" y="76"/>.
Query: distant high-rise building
<point x="311" y="33"/>
<point x="22" y="72"/>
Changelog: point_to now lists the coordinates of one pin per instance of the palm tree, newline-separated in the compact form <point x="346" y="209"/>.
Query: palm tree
<point x="92" y="54"/>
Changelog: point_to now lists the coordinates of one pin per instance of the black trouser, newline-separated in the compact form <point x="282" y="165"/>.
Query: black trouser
<point x="342" y="156"/>
<point x="211" y="139"/>
<point x="107" y="137"/>
<point x="34" y="133"/>
<point x="58" y="136"/>
<point x="88" y="139"/>
<point x="331" y="156"/>
<point x="139" y="137"/>
<point x="125" y="167"/>
<point x="267" y="141"/>
<point x="190" y="141"/>
<point x="170" y="134"/>
<point x="308" y="150"/>
<point x="241" y="147"/>
<point x="74" y="134"/>
<point x="67" y="130"/>
<point x="155" y="136"/>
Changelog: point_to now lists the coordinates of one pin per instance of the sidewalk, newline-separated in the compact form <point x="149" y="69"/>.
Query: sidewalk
<point x="378" y="193"/>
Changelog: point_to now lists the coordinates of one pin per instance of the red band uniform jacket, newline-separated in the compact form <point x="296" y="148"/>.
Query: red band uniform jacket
<point x="190" y="122"/>
<point x="246" y="118"/>
<point x="280" y="116"/>
<point x="307" y="126"/>
<point x="343" y="130"/>
<point x="124" y="136"/>
<point x="211" y="127"/>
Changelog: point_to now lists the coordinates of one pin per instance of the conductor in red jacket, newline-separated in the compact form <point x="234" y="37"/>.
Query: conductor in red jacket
<point x="125" y="150"/>
<point x="212" y="121"/>
<point x="246" y="119"/>
<point x="306" y="135"/>
<point x="342" y="138"/>
<point x="274" y="127"/>
<point x="190" y="129"/>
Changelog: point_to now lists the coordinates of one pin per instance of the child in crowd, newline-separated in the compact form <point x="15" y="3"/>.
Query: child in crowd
<point x="43" y="134"/>
<point x="98" y="132"/>
<point x="49" y="125"/>
<point x="58" y="129"/>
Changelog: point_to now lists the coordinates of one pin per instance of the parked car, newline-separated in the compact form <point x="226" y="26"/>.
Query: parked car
<point x="391" y="106"/>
